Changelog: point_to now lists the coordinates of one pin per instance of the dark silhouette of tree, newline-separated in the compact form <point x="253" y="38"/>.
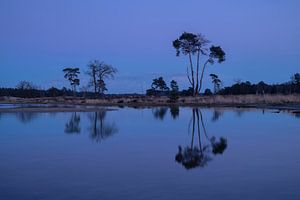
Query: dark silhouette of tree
<point x="93" y="73"/>
<point x="159" y="84"/>
<point x="261" y="88"/>
<point x="296" y="79"/>
<point x="217" y="82"/>
<point x="102" y="86"/>
<point x="73" y="126"/>
<point x="71" y="74"/>
<point x="174" y="86"/>
<point x="191" y="44"/>
<point x="207" y="92"/>
<point x="98" y="72"/>
<point x="26" y="85"/>
<point x="54" y="92"/>
<point x="101" y="129"/>
<point x="174" y="93"/>
<point x="216" y="53"/>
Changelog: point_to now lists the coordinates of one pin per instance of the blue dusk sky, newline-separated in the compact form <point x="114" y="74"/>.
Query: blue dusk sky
<point x="38" y="38"/>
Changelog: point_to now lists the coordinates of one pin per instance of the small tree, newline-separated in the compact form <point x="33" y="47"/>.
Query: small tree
<point x="160" y="84"/>
<point x="296" y="79"/>
<point x="71" y="74"/>
<point x="217" y="82"/>
<point x="174" y="91"/>
<point x="25" y="85"/>
<point x="174" y="86"/>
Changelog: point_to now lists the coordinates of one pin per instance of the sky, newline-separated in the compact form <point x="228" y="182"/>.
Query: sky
<point x="39" y="38"/>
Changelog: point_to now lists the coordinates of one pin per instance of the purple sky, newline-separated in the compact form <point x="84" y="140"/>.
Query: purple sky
<point x="39" y="38"/>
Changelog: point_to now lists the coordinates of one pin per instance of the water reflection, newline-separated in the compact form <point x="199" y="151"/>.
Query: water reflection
<point x="174" y="111"/>
<point x="159" y="113"/>
<point x="216" y="115"/>
<point x="199" y="155"/>
<point x="73" y="126"/>
<point x="26" y="117"/>
<point x="296" y="114"/>
<point x="100" y="129"/>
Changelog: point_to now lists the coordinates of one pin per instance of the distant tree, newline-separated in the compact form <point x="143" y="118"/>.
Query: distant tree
<point x="71" y="74"/>
<point x="296" y="79"/>
<point x="25" y="85"/>
<point x="159" y="84"/>
<point x="174" y="86"/>
<point x="261" y="87"/>
<point x="98" y="72"/>
<point x="207" y="92"/>
<point x="174" y="93"/>
<point x="216" y="81"/>
<point x="191" y="44"/>
<point x="53" y="92"/>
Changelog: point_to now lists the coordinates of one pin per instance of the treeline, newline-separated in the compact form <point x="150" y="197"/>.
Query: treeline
<point x="38" y="93"/>
<point x="291" y="87"/>
<point x="160" y="88"/>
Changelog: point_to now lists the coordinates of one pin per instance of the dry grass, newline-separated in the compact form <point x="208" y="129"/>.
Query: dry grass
<point x="229" y="100"/>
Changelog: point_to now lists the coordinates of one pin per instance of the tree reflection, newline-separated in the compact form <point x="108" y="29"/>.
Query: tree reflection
<point x="296" y="114"/>
<point x="216" y="115"/>
<point x="100" y="129"/>
<point x="26" y="117"/>
<point x="194" y="156"/>
<point x="174" y="110"/>
<point x="159" y="113"/>
<point x="73" y="126"/>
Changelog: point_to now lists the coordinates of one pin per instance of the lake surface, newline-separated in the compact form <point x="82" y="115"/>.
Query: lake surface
<point x="156" y="153"/>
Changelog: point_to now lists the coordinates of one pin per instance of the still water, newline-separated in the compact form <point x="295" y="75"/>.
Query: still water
<point x="154" y="153"/>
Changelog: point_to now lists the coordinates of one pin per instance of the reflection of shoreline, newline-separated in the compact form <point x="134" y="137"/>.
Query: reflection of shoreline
<point x="198" y="156"/>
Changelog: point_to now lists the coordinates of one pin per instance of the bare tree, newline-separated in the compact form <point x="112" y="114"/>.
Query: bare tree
<point x="98" y="72"/>
<point x="25" y="85"/>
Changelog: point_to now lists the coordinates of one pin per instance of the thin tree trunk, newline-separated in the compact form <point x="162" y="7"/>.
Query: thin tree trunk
<point x="74" y="90"/>
<point x="197" y="73"/>
<point x="192" y="72"/>
<point x="202" y="74"/>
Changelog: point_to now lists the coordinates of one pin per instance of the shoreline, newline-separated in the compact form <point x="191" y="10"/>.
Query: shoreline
<point x="72" y="104"/>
